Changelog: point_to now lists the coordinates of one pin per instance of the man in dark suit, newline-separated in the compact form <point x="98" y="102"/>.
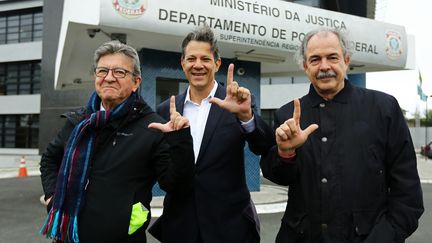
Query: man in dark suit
<point x="218" y="207"/>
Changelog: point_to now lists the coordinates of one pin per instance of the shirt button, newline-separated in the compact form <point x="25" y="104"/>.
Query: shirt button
<point x="322" y="105"/>
<point x="323" y="227"/>
<point x="324" y="180"/>
<point x="324" y="139"/>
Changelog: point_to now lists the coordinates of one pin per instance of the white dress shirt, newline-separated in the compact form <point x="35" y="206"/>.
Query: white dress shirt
<point x="198" y="114"/>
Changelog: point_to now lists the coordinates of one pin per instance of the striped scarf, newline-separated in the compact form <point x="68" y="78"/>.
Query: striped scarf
<point x="62" y="220"/>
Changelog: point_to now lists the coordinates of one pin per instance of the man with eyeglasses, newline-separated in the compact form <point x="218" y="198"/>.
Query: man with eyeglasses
<point x="98" y="173"/>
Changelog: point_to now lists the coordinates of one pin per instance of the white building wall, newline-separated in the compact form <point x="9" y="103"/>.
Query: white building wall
<point x="277" y="91"/>
<point x="20" y="5"/>
<point x="276" y="95"/>
<point x="20" y="104"/>
<point x="15" y="52"/>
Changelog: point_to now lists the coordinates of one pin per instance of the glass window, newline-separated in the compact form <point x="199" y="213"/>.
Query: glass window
<point x="22" y="26"/>
<point x="38" y="27"/>
<point x="12" y="38"/>
<point x="165" y="87"/>
<point x="38" y="18"/>
<point x="20" y="78"/>
<point x="2" y="22"/>
<point x="268" y="116"/>
<point x="12" y="21"/>
<point x="26" y="19"/>
<point x="19" y="131"/>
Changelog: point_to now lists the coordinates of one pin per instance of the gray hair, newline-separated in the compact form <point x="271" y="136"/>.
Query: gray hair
<point x="343" y="42"/>
<point x="113" y="47"/>
<point x="203" y="34"/>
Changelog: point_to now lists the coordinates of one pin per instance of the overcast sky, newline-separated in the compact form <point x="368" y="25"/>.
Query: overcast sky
<point x="416" y="16"/>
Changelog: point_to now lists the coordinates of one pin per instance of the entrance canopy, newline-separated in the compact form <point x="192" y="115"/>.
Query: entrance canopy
<point x="269" y="32"/>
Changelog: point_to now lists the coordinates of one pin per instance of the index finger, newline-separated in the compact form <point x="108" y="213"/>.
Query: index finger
<point x="230" y="74"/>
<point x="172" y="105"/>
<point x="297" y="111"/>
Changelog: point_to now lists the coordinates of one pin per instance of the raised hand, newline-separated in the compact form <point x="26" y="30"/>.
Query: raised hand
<point x="289" y="135"/>
<point x="176" y="121"/>
<point x="237" y="100"/>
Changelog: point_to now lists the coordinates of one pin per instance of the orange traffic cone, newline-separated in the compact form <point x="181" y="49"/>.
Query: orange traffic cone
<point x="22" y="168"/>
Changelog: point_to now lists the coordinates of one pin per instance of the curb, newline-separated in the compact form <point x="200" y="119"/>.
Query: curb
<point x="426" y="181"/>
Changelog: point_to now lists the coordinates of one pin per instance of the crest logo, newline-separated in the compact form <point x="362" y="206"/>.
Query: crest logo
<point x="130" y="9"/>
<point x="393" y="45"/>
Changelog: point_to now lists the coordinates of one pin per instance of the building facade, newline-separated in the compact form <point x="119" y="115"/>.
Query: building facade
<point x="47" y="46"/>
<point x="21" y="24"/>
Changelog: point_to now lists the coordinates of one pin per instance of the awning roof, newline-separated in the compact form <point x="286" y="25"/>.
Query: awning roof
<point x="268" y="33"/>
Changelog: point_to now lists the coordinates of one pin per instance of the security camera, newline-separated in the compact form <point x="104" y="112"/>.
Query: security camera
<point x="241" y="71"/>
<point x="92" y="32"/>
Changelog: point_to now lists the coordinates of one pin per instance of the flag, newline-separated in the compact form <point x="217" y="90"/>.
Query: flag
<point x="420" y="92"/>
<point x="422" y="95"/>
<point x="420" y="78"/>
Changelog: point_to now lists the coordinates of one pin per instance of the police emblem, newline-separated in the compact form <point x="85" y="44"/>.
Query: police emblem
<point x="130" y="8"/>
<point x="393" y="45"/>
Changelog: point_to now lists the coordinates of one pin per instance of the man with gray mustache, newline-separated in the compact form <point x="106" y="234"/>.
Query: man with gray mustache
<point x="346" y="154"/>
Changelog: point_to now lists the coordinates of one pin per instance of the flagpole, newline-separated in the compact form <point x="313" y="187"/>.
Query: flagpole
<point x="424" y="97"/>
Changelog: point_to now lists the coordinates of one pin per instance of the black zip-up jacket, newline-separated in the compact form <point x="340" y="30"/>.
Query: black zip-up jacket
<point x="355" y="178"/>
<point x="127" y="160"/>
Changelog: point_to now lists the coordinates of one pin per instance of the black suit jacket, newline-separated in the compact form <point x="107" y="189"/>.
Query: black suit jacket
<point x="218" y="206"/>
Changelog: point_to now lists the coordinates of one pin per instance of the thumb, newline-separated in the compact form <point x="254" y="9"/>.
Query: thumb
<point x="158" y="126"/>
<point x="217" y="102"/>
<point x="310" y="129"/>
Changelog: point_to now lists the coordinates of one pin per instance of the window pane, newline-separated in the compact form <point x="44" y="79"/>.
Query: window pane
<point x="11" y="89"/>
<point x="26" y="19"/>
<point x="2" y="22"/>
<point x="12" y="79"/>
<point x="38" y="18"/>
<point x="13" y="30"/>
<point x="12" y="21"/>
<point x="10" y="121"/>
<point x="12" y="72"/>
<point x="19" y="131"/>
<point x="36" y="89"/>
<point x="25" y="33"/>
<point x="2" y="87"/>
<point x="25" y="70"/>
<point x="24" y="80"/>
<point x="38" y="27"/>
<point x="12" y="38"/>
<point x="37" y="35"/>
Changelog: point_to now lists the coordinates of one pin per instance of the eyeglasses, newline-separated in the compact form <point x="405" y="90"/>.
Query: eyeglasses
<point x="102" y="72"/>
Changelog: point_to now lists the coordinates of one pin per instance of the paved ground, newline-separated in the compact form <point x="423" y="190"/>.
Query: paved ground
<point x="21" y="213"/>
